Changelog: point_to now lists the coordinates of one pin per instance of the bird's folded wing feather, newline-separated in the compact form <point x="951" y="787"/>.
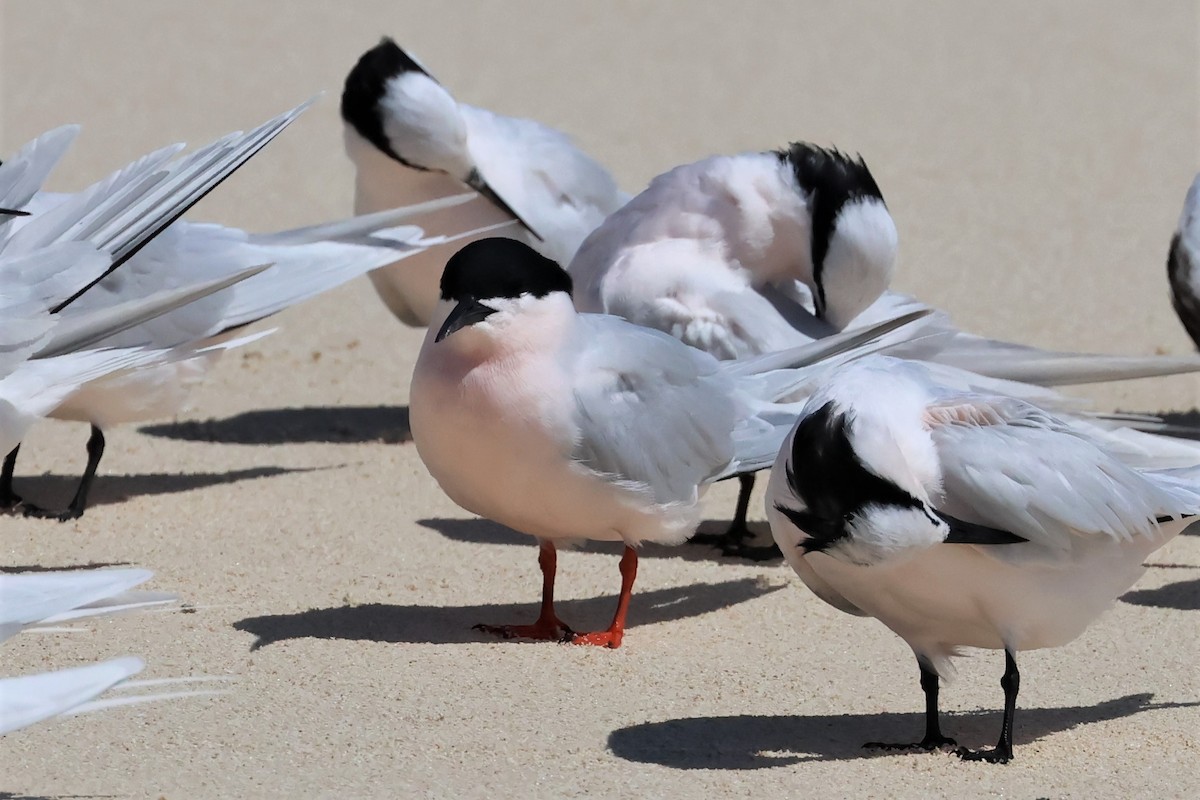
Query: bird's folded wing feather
<point x="33" y="282"/>
<point x="651" y="412"/>
<point x="1011" y="466"/>
<point x="22" y="175"/>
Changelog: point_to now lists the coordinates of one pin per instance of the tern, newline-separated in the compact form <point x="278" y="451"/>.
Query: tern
<point x="301" y="264"/>
<point x="570" y="426"/>
<point x="960" y="519"/>
<point x="747" y="254"/>
<point x="411" y="141"/>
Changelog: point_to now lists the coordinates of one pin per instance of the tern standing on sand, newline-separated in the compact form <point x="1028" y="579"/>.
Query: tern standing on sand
<point x="963" y="520"/>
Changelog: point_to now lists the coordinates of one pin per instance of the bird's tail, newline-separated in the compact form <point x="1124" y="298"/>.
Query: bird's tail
<point x="365" y="229"/>
<point x="123" y="212"/>
<point x="42" y="597"/>
<point x="75" y="332"/>
<point x="1014" y="362"/>
<point x="304" y="271"/>
<point x="28" y="699"/>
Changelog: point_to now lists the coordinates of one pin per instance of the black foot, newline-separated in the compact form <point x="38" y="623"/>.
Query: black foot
<point x="9" y="502"/>
<point x="734" y="536"/>
<point x="749" y="552"/>
<point x="994" y="756"/>
<point x="44" y="513"/>
<point x="733" y="543"/>
<point x="927" y="744"/>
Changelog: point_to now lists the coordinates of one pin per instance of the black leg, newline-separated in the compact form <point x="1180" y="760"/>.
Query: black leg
<point x="1002" y="754"/>
<point x="95" y="450"/>
<point x="9" y="498"/>
<point x="733" y="541"/>
<point x="933" y="729"/>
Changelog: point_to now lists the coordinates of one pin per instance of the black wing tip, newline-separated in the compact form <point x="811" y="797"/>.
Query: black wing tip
<point x="13" y="212"/>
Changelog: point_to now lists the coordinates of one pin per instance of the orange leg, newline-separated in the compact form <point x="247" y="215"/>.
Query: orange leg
<point x="548" y="625"/>
<point x="616" y="632"/>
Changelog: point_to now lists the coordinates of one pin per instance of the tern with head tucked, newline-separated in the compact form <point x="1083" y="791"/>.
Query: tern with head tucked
<point x="748" y="254"/>
<point x="411" y="141"/>
<point x="963" y="520"/>
<point x="300" y="264"/>
<point x="572" y="426"/>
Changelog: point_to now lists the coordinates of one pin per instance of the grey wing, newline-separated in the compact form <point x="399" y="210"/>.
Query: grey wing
<point x="1009" y="465"/>
<point x="651" y="412"/>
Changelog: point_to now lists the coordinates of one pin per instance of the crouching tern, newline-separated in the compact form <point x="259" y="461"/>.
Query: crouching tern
<point x="411" y="141"/>
<point x="301" y="264"/>
<point x="580" y="426"/>
<point x="963" y="520"/>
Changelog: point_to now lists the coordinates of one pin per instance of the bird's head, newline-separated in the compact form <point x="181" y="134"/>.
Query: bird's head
<point x="392" y="102"/>
<point x="853" y="239"/>
<point x="396" y="105"/>
<point x="842" y="503"/>
<point x="501" y="287"/>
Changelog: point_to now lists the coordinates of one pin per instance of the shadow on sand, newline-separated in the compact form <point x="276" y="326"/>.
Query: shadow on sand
<point x="110" y="489"/>
<point x="340" y="424"/>
<point x="483" y="531"/>
<point x="1182" y="595"/>
<point x="759" y="742"/>
<point x="378" y="622"/>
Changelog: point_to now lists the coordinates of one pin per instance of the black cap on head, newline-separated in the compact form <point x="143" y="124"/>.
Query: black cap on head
<point x="832" y="179"/>
<point x="365" y="86"/>
<point x="500" y="267"/>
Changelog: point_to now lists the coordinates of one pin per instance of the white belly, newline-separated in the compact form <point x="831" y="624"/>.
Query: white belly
<point x="952" y="596"/>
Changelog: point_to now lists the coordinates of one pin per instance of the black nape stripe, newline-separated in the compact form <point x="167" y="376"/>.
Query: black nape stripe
<point x="832" y="179"/>
<point x="827" y="475"/>
<point x="364" y="88"/>
<point x="501" y="267"/>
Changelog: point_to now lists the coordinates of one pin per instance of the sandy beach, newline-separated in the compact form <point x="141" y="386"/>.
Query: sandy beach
<point x="1034" y="156"/>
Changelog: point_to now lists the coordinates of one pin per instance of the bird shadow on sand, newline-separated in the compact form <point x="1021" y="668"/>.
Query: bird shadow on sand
<point x="112" y="489"/>
<point x="484" y="531"/>
<point x="15" y="568"/>
<point x="1181" y="595"/>
<point x="17" y="796"/>
<point x="337" y="425"/>
<point x="378" y="622"/>
<point x="758" y="742"/>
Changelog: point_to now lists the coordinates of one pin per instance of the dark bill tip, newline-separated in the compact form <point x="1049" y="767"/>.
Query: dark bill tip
<point x="467" y="312"/>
